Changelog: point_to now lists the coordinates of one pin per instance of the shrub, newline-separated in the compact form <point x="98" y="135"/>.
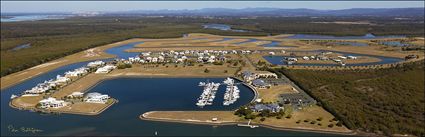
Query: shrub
<point x="288" y="116"/>
<point x="339" y="124"/>
<point x="262" y="119"/>
<point x="250" y="116"/>
<point x="331" y="125"/>
<point x="206" y="70"/>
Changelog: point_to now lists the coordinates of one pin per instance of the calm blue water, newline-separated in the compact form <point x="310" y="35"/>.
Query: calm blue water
<point x="23" y="46"/>
<point x="222" y="40"/>
<point x="277" y="60"/>
<point x="223" y="27"/>
<point x="394" y="43"/>
<point x="246" y="41"/>
<point x="120" y="53"/>
<point x="33" y="18"/>
<point x="367" y="36"/>
<point x="349" y="43"/>
<point x="136" y="96"/>
<point x="273" y="44"/>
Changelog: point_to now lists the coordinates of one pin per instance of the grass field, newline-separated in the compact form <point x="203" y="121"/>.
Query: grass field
<point x="272" y="94"/>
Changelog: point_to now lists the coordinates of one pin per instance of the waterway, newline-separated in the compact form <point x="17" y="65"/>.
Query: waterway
<point x="394" y="43"/>
<point x="325" y="37"/>
<point x="136" y="96"/>
<point x="223" y="27"/>
<point x="33" y="18"/>
<point x="19" y="47"/>
<point x="349" y="43"/>
<point x="277" y="60"/>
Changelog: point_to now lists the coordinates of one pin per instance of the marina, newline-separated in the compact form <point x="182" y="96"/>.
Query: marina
<point x="208" y="94"/>
<point x="232" y="92"/>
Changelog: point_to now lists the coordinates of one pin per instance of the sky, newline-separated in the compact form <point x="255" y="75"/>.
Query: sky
<point x="81" y="6"/>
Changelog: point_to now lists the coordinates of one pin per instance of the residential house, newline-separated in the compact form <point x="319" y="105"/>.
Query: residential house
<point x="258" y="83"/>
<point x="96" y="98"/>
<point x="52" y="103"/>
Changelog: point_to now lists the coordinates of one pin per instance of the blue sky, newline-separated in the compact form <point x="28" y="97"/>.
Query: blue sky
<point x="73" y="6"/>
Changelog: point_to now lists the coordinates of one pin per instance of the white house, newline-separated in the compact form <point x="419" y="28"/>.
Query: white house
<point x="271" y="53"/>
<point x="61" y="80"/>
<point x="306" y="58"/>
<point x="148" y="59"/>
<point x="77" y="72"/>
<point x="105" y="69"/>
<point x="76" y="94"/>
<point x="352" y="57"/>
<point x="52" y="103"/>
<point x="179" y="60"/>
<point x="154" y="60"/>
<point x="161" y="59"/>
<point x="96" y="63"/>
<point x="342" y="57"/>
<point x="337" y="60"/>
<point x="96" y="98"/>
<point x="292" y="59"/>
<point x="265" y="74"/>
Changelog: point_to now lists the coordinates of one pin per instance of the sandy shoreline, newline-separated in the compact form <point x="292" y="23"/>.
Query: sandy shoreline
<point x="145" y="116"/>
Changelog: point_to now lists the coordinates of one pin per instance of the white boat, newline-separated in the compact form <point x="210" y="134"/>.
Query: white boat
<point x="13" y="96"/>
<point x="208" y="94"/>
<point x="232" y="92"/>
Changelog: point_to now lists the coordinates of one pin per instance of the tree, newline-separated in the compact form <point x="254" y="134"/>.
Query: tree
<point x="288" y="116"/>
<point x="206" y="70"/>
<point x="265" y="113"/>
<point x="250" y="116"/>
<point x="339" y="124"/>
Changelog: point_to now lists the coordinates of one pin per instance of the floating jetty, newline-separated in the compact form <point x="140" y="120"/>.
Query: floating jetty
<point x="232" y="92"/>
<point x="248" y="125"/>
<point x="208" y="95"/>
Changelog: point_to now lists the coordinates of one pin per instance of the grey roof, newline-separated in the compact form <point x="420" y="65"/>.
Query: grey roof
<point x="246" y="73"/>
<point x="259" y="107"/>
<point x="259" y="82"/>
